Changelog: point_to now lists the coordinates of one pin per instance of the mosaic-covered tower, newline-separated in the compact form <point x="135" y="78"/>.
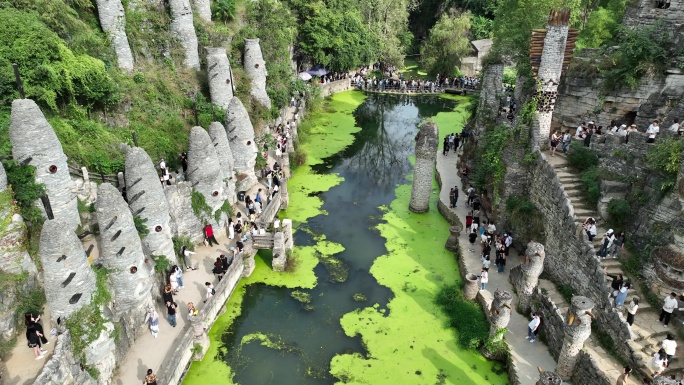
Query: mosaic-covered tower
<point x="69" y="280"/>
<point x="241" y="139"/>
<point x="204" y="170"/>
<point x="35" y="143"/>
<point x="183" y="26"/>
<point x="577" y="330"/>
<point x="113" y="21"/>
<point x="147" y="200"/>
<point x="427" y="141"/>
<point x="121" y="252"/>
<point x="218" y="72"/>
<point x="255" y="66"/>
<point x="218" y="136"/>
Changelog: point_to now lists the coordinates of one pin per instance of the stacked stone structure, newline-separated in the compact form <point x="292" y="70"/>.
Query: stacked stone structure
<point x="203" y="8"/>
<point x="499" y="313"/>
<point x="113" y="21"/>
<point x="548" y="378"/>
<point x="182" y="25"/>
<point x="490" y="97"/>
<point x="241" y="139"/>
<point x="218" y="136"/>
<point x="255" y="66"/>
<point x="185" y="223"/>
<point x="471" y="286"/>
<point x="35" y="143"/>
<point x="204" y="170"/>
<point x="525" y="277"/>
<point x="69" y="281"/>
<point x="577" y="330"/>
<point x="147" y="200"/>
<point x="219" y="74"/>
<point x="427" y="141"/>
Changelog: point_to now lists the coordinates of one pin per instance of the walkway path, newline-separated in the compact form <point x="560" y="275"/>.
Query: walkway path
<point x="527" y="356"/>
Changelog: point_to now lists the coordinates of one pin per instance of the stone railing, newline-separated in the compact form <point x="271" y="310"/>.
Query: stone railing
<point x="331" y="88"/>
<point x="270" y="212"/>
<point x="176" y="362"/>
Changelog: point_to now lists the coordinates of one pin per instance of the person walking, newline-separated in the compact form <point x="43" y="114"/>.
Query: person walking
<point x="186" y="253"/>
<point x="178" y="272"/>
<point x="669" y="345"/>
<point x="209" y="235"/>
<point x="231" y="228"/>
<point x="632" y="308"/>
<point x="171" y="313"/>
<point x="670" y="303"/>
<point x="150" y="378"/>
<point x="532" y="327"/>
<point x="33" y="336"/>
<point x="210" y="291"/>
<point x="622" y="295"/>
<point x="622" y="380"/>
<point x="567" y="138"/>
<point x="455" y="196"/>
<point x="445" y="146"/>
<point x="618" y="244"/>
<point x="484" y="278"/>
<point x="152" y="320"/>
<point x="555" y="140"/>
<point x="607" y="244"/>
<point x="452" y="198"/>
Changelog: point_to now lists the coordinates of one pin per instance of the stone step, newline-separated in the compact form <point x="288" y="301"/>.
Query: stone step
<point x="609" y="262"/>
<point x="573" y="192"/>
<point x="571" y="183"/>
<point x="567" y="173"/>
<point x="583" y="213"/>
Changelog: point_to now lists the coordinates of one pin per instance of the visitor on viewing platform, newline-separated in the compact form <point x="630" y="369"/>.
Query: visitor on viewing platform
<point x="652" y="131"/>
<point x="669" y="345"/>
<point x="484" y="278"/>
<point x="532" y="327"/>
<point x="632" y="308"/>
<point x="209" y="235"/>
<point x="675" y="127"/>
<point x="670" y="303"/>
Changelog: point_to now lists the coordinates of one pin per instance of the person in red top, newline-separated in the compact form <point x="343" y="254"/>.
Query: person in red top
<point x="209" y="235"/>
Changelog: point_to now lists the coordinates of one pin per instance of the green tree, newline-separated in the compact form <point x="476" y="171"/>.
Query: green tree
<point x="223" y="10"/>
<point x="447" y="43"/>
<point x="388" y="21"/>
<point x="602" y="24"/>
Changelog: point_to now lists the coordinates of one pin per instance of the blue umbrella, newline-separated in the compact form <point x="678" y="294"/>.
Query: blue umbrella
<point x="317" y="70"/>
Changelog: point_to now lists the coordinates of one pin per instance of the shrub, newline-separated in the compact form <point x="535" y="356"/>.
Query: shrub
<point x="140" y="225"/>
<point x="582" y="158"/>
<point x="619" y="213"/>
<point x="26" y="190"/>
<point x="179" y="242"/>
<point x="524" y="217"/>
<point x="299" y="157"/>
<point x="591" y="187"/>
<point x="665" y="155"/>
<point x="464" y="316"/>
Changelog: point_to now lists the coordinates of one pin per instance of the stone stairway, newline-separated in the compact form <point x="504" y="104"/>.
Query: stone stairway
<point x="648" y="333"/>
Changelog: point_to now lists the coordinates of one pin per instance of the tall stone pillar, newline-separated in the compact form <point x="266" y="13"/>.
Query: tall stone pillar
<point x="35" y="143"/>
<point x="203" y="8"/>
<point x="218" y="136"/>
<point x="577" y="330"/>
<point x="490" y="97"/>
<point x="183" y="26"/>
<point x="528" y="278"/>
<point x="3" y="178"/>
<point x="205" y="173"/>
<point x="548" y="378"/>
<point x="550" y="70"/>
<point x="147" y="200"/>
<point x="241" y="139"/>
<point x="427" y="141"/>
<point x="13" y="255"/>
<point x="255" y="66"/>
<point x="69" y="280"/>
<point x="499" y="313"/>
<point x="113" y="21"/>
<point x="218" y="72"/>
<point x="183" y="219"/>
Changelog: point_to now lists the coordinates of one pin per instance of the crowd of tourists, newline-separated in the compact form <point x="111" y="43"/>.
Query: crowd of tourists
<point x="400" y="84"/>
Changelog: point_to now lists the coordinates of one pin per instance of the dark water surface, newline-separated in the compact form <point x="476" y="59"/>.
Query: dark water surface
<point x="372" y="166"/>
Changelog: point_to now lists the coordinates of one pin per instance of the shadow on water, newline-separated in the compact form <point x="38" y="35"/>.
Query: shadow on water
<point x="303" y="339"/>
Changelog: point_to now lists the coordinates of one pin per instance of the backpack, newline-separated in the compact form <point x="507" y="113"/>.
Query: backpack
<point x="213" y="291"/>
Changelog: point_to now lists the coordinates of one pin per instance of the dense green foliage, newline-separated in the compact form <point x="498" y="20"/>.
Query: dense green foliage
<point x="200" y="207"/>
<point x="602" y="24"/>
<point x="489" y="169"/>
<point x="26" y="190"/>
<point x="140" y="225"/>
<point x="581" y="158"/>
<point x="525" y="217"/>
<point x="447" y="44"/>
<point x="465" y="316"/>
<point x="591" y="185"/>
<point x="179" y="242"/>
<point x="619" y="213"/>
<point x="665" y="155"/>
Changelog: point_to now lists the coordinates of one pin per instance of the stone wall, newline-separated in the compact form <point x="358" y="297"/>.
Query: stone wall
<point x="63" y="368"/>
<point x="255" y="66"/>
<point x="588" y="372"/>
<point x="183" y="27"/>
<point x="549" y="75"/>
<point x="554" y="323"/>
<point x="329" y="89"/>
<point x="220" y="80"/>
<point x="113" y="21"/>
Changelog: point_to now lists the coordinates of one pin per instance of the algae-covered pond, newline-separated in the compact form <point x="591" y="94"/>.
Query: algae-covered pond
<point x="359" y="307"/>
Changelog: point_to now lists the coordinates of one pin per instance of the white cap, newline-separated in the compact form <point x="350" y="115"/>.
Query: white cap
<point x="610" y="231"/>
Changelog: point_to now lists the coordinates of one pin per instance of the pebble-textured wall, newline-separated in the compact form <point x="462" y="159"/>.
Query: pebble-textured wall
<point x="185" y="223"/>
<point x="241" y="139"/>
<point x="121" y="251"/>
<point x="32" y="137"/>
<point x="204" y="169"/>
<point x="3" y="178"/>
<point x="113" y="22"/>
<point x="147" y="200"/>
<point x="182" y="25"/>
<point x="218" y="72"/>
<point x="218" y="136"/>
<point x="63" y="368"/>
<point x="255" y="66"/>
<point x="203" y="8"/>
<point x="68" y="278"/>
<point x="427" y="141"/>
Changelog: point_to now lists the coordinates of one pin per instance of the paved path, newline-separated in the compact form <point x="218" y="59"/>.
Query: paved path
<point x="528" y="356"/>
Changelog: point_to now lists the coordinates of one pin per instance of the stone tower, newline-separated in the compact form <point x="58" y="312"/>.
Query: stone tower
<point x="241" y="139"/>
<point x="255" y="66"/>
<point x="147" y="200"/>
<point x="183" y="26"/>
<point x="3" y="178"/>
<point x="218" y="136"/>
<point x="203" y="8"/>
<point x="220" y="81"/>
<point x="113" y="22"/>
<point x="204" y="171"/>
<point x="499" y="313"/>
<point x="526" y="275"/>
<point x="35" y="143"/>
<point x="427" y="141"/>
<point x="490" y="97"/>
<point x="121" y="252"/>
<point x="69" y="280"/>
<point x="577" y="330"/>
<point x="548" y="378"/>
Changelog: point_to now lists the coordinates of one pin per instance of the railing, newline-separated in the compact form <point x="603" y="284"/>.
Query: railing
<point x="423" y="88"/>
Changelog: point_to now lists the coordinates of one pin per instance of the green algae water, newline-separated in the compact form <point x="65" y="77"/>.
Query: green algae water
<point x="359" y="306"/>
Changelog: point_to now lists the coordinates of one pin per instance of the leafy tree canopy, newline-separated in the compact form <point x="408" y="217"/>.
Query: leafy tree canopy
<point x="447" y="43"/>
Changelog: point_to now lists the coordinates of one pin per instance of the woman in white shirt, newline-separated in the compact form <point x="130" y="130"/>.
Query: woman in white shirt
<point x="632" y="308"/>
<point x="484" y="278"/>
<point x="658" y="362"/>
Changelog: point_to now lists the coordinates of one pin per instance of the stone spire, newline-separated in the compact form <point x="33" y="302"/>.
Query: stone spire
<point x="204" y="170"/>
<point x="526" y="276"/>
<point x="499" y="313"/>
<point x="35" y="143"/>
<point x="218" y="136"/>
<point x="427" y="141"/>
<point x="121" y="252"/>
<point x="69" y="281"/>
<point x="203" y="8"/>
<point x="3" y="178"/>
<point x="577" y="330"/>
<point x="218" y="72"/>
<point x="113" y="22"/>
<point x="255" y="66"/>
<point x="548" y="378"/>
<point x="241" y="139"/>
<point x="490" y="97"/>
<point x="183" y="26"/>
<point x="147" y="200"/>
